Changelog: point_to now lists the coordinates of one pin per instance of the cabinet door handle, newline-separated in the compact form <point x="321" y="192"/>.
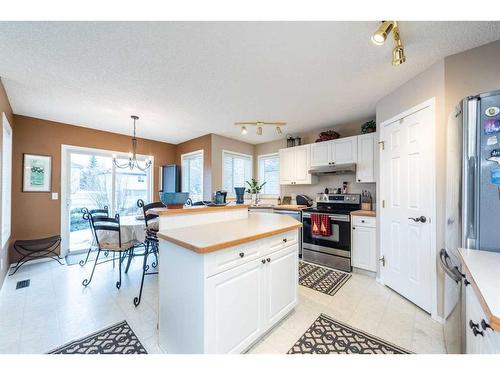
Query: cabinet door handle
<point x="466" y="282"/>
<point x="242" y="255"/>
<point x="474" y="327"/>
<point x="263" y="261"/>
<point x="284" y="239"/>
<point x="485" y="325"/>
<point x="359" y="180"/>
<point x="268" y="260"/>
<point x="353" y="228"/>
<point x="362" y="221"/>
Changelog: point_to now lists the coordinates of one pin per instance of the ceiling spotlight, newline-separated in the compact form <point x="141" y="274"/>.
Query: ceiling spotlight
<point x="244" y="130"/>
<point x="259" y="130"/>
<point x="260" y="126"/>
<point x="278" y="130"/>
<point x="380" y="36"/>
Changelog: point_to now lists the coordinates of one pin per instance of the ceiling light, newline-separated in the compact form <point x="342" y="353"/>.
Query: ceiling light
<point x="132" y="156"/>
<point x="379" y="37"/>
<point x="260" y="125"/>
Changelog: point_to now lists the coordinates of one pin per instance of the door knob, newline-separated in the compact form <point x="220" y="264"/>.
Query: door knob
<point x="421" y="219"/>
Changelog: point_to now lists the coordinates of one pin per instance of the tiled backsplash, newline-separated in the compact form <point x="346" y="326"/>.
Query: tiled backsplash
<point x="330" y="182"/>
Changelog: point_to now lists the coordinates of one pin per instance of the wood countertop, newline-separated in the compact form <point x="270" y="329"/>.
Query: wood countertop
<point x="287" y="207"/>
<point x="484" y="270"/>
<point x="206" y="238"/>
<point x="364" y="213"/>
<point x="196" y="209"/>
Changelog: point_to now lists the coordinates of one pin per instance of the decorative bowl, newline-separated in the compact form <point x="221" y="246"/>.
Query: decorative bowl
<point x="173" y="200"/>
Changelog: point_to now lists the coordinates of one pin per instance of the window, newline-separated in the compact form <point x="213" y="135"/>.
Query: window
<point x="269" y="172"/>
<point x="6" y="178"/>
<point x="236" y="170"/>
<point x="192" y="174"/>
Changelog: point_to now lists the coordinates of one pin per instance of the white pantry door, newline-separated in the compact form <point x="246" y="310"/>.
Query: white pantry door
<point x="407" y="195"/>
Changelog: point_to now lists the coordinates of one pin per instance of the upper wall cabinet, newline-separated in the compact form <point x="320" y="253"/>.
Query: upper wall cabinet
<point x="365" y="168"/>
<point x="294" y="166"/>
<point x="339" y="151"/>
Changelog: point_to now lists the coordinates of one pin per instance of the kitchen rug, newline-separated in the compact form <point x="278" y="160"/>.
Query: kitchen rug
<point x="329" y="336"/>
<point x="117" y="339"/>
<point x="321" y="279"/>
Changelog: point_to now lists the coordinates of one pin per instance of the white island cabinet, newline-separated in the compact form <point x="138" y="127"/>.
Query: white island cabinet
<point x="224" y="284"/>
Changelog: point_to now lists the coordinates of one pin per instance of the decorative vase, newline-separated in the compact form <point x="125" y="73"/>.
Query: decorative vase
<point x="255" y="199"/>
<point x="240" y="193"/>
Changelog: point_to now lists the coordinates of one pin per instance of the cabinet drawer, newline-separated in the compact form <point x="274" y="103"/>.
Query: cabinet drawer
<point x="220" y="261"/>
<point x="364" y="221"/>
<point x="279" y="241"/>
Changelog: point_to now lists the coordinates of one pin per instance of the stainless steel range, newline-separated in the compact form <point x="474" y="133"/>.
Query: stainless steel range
<point x="335" y="250"/>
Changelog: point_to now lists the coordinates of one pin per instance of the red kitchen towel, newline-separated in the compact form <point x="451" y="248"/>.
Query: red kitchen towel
<point x="320" y="225"/>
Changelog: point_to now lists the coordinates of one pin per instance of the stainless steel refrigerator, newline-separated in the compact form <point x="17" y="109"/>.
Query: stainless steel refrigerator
<point x="472" y="199"/>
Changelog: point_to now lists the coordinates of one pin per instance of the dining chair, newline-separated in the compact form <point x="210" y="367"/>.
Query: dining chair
<point x="151" y="241"/>
<point x="94" y="212"/>
<point x="108" y="239"/>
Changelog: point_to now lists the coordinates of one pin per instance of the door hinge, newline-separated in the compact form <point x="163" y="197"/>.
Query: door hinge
<point x="383" y="144"/>
<point x="382" y="260"/>
<point x="383" y="203"/>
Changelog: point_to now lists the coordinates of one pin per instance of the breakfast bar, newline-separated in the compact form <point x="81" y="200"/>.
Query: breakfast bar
<point x="226" y="278"/>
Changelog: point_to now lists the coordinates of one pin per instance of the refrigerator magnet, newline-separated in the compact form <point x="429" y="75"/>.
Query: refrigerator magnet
<point x="492" y="126"/>
<point x="495" y="176"/>
<point x="493" y="140"/>
<point x="495" y="156"/>
<point x="492" y="111"/>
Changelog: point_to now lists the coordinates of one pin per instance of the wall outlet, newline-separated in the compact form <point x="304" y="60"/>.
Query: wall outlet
<point x="55" y="196"/>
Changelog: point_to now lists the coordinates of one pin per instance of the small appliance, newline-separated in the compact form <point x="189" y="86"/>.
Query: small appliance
<point x="304" y="200"/>
<point x="334" y="250"/>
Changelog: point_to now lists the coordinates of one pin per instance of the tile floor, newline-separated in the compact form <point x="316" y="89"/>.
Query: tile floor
<point x="56" y="309"/>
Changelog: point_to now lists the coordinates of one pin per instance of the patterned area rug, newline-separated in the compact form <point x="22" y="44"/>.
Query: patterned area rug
<point x="329" y="336"/>
<point x="322" y="279"/>
<point x="117" y="339"/>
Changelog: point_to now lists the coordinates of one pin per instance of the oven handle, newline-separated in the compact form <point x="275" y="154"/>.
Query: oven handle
<point x="345" y="218"/>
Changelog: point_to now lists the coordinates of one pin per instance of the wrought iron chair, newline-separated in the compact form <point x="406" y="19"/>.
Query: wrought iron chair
<point x="111" y="225"/>
<point x="95" y="212"/>
<point x="151" y="241"/>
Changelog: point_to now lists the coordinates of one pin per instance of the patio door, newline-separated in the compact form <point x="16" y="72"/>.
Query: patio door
<point x="91" y="180"/>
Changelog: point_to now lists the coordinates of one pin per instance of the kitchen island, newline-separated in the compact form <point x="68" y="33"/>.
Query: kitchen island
<point x="226" y="278"/>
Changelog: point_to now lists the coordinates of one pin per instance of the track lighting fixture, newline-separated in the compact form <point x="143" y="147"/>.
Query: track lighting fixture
<point x="260" y="126"/>
<point x="380" y="36"/>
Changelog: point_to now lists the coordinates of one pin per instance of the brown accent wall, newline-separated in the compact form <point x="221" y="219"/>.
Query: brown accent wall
<point x="36" y="215"/>
<point x="5" y="108"/>
<point x="201" y="143"/>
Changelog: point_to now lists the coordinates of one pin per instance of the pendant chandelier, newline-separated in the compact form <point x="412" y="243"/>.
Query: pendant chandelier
<point x="132" y="156"/>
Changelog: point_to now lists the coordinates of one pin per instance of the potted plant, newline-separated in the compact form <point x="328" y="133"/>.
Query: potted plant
<point x="254" y="188"/>
<point x="369" y="127"/>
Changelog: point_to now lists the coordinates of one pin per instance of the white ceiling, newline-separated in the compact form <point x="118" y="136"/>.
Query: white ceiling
<point x="186" y="79"/>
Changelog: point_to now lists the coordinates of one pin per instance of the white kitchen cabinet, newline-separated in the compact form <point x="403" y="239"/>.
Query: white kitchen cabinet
<point x="235" y="308"/>
<point x="282" y="284"/>
<point x="321" y="153"/>
<point x="479" y="338"/>
<point x="364" y="238"/>
<point x="339" y="151"/>
<point x="365" y="168"/>
<point x="295" y="163"/>
<point x="345" y="150"/>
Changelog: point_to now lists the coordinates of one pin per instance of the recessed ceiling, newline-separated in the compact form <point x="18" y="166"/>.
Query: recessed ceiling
<point x="186" y="79"/>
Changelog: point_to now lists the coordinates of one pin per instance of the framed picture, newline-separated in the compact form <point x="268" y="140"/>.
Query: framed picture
<point x="37" y="173"/>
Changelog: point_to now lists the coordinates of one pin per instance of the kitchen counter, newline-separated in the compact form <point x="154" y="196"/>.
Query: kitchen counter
<point x="284" y="207"/>
<point x="210" y="237"/>
<point x="364" y="213"/>
<point x="196" y="209"/>
<point x="484" y="270"/>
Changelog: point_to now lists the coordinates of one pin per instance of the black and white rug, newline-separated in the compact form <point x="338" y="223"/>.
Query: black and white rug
<point x="324" y="280"/>
<point x="329" y="336"/>
<point x="117" y="339"/>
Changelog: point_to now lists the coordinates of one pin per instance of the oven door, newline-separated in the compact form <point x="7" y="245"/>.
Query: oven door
<point x="339" y="243"/>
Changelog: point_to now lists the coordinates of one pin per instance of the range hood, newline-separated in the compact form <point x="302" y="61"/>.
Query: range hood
<point x="344" y="168"/>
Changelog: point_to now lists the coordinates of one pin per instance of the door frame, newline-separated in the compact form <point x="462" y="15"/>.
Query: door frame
<point x="430" y="103"/>
<point x="66" y="174"/>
